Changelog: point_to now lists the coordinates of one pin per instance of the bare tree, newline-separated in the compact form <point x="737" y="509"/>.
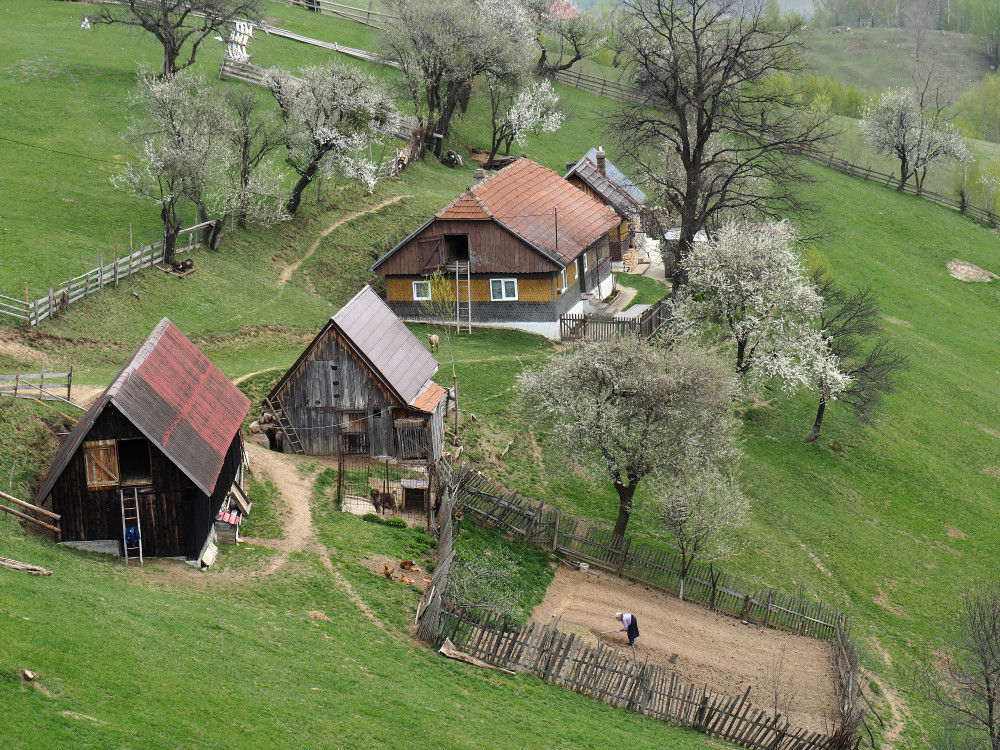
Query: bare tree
<point x="852" y="325"/>
<point x="577" y="34"/>
<point x="520" y="108"/>
<point x="971" y="698"/>
<point x="178" y="132"/>
<point x="913" y="125"/>
<point x="178" y="23"/>
<point x="702" y="510"/>
<point x="253" y="134"/>
<point x="611" y="20"/>
<point x="637" y="410"/>
<point x="716" y="128"/>
<point x="443" y="46"/>
<point x="330" y="114"/>
<point x="747" y="291"/>
<point x="919" y="20"/>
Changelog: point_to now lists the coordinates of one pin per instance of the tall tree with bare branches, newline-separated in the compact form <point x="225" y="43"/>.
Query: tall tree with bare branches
<point x="717" y="126"/>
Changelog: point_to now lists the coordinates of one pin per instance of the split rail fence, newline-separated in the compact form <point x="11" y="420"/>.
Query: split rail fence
<point x="575" y="538"/>
<point x="42" y="385"/>
<point x="80" y="287"/>
<point x="368" y="17"/>
<point x="597" y="327"/>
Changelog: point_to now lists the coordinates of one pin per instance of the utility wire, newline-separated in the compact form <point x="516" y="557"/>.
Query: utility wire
<point x="57" y="151"/>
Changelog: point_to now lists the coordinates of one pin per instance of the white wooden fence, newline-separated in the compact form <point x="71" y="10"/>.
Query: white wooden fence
<point x="32" y="313"/>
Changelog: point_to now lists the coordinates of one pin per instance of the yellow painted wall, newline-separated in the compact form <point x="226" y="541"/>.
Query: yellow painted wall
<point x="528" y="290"/>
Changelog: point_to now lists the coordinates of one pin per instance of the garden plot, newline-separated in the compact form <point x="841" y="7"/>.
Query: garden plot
<point x="703" y="647"/>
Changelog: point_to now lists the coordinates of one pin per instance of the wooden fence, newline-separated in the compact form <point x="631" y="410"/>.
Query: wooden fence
<point x="577" y="539"/>
<point x="368" y="17"/>
<point x="43" y="385"/>
<point x="21" y="509"/>
<point x="597" y="327"/>
<point x="82" y="286"/>
<point x="616" y="678"/>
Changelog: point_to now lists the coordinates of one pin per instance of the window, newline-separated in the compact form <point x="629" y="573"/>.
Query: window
<point x="353" y="432"/>
<point x="586" y="264"/>
<point x="421" y="290"/>
<point x="503" y="289"/>
<point x="100" y="460"/>
<point x="563" y="281"/>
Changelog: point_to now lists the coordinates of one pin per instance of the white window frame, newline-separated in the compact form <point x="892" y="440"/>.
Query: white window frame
<point x="503" y="290"/>
<point x="563" y="280"/>
<point x="586" y="264"/>
<point x="416" y="295"/>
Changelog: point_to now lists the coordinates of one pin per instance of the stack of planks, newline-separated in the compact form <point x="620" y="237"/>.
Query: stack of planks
<point x="15" y="565"/>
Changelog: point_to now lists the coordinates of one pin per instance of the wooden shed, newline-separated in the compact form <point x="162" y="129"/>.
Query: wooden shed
<point x="602" y="180"/>
<point x="519" y="249"/>
<point x="152" y="462"/>
<point x="363" y="386"/>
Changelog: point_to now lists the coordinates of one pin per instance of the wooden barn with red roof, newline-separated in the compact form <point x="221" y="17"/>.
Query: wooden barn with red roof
<point x="363" y="386"/>
<point x="519" y="249"/>
<point x="153" y="461"/>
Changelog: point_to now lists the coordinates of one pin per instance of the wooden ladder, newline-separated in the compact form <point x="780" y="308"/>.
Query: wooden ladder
<point x="131" y="526"/>
<point x="286" y="425"/>
<point x="463" y="302"/>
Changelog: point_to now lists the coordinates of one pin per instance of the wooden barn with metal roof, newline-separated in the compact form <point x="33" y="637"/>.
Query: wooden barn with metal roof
<point x="152" y="462"/>
<point x="601" y="179"/>
<point x="363" y="386"/>
<point x="518" y="249"/>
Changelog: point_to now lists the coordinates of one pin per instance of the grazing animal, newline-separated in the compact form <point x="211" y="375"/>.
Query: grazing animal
<point x="388" y="572"/>
<point x="434" y="341"/>
<point x="384" y="501"/>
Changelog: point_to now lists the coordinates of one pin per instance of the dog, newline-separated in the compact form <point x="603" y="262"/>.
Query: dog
<point x="384" y="501"/>
<point x="434" y="341"/>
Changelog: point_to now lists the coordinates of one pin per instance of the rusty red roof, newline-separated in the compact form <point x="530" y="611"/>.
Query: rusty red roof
<point x="178" y="399"/>
<point x="429" y="398"/>
<point x="529" y="200"/>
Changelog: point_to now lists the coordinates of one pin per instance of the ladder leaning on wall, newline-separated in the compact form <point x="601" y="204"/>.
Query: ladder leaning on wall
<point x="131" y="527"/>
<point x="463" y="296"/>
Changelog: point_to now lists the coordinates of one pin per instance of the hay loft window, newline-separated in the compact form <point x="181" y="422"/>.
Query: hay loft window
<point x="503" y="289"/>
<point x="134" y="462"/>
<point x="456" y="248"/>
<point x="421" y="290"/>
<point x="100" y="460"/>
<point x="354" y="432"/>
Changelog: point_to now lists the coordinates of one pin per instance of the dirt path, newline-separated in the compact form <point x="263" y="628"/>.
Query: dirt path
<point x="287" y="271"/>
<point x="710" y="649"/>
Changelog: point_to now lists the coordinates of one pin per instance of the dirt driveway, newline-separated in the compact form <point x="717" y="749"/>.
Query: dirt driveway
<point x="714" y="650"/>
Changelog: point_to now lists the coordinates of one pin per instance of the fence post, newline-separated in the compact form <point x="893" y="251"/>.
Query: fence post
<point x="27" y="308"/>
<point x="555" y="532"/>
<point x="621" y="563"/>
<point x="69" y="385"/>
<point x="767" y="612"/>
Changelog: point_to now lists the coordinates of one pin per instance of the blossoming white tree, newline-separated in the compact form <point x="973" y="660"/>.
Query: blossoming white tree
<point x="179" y="133"/>
<point x="577" y="35"/>
<point x="443" y="46"/>
<point x="520" y="109"/>
<point x="331" y="113"/>
<point x="636" y="411"/>
<point x="911" y="125"/>
<point x="746" y="289"/>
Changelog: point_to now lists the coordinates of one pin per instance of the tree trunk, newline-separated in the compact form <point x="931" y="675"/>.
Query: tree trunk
<point x="904" y="172"/>
<point x="300" y="187"/>
<point x="741" y="352"/>
<point x="625" y="495"/>
<point x="818" y="424"/>
<point x="216" y="238"/>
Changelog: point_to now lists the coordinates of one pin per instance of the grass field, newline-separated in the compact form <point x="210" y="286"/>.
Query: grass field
<point x="890" y="523"/>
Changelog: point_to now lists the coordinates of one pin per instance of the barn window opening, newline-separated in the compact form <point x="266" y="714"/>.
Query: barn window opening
<point x="456" y="248"/>
<point x="134" y="462"/>
<point x="354" y="432"/>
<point x="100" y="460"/>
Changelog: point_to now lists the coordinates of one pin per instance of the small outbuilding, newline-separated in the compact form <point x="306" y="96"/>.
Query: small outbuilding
<point x="363" y="386"/>
<point x="155" y="459"/>
<point x="519" y="249"/>
<point x="602" y="180"/>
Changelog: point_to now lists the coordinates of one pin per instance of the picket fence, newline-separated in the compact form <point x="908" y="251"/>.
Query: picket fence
<point x="597" y="327"/>
<point x="80" y="287"/>
<point x="580" y="540"/>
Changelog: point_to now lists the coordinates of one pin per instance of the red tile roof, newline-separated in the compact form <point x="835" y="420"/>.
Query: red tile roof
<point x="178" y="399"/>
<point x="429" y="399"/>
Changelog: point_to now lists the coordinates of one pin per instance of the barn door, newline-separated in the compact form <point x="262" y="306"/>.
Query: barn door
<point x="411" y="437"/>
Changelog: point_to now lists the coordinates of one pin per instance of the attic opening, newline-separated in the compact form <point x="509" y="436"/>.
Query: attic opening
<point x="134" y="463"/>
<point x="456" y="248"/>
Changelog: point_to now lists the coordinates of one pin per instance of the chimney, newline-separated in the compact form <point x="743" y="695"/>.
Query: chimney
<point x="478" y="176"/>
<point x="600" y="162"/>
<point x="570" y="165"/>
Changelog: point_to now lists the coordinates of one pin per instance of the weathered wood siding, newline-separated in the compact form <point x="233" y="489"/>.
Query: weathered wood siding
<point x="175" y="515"/>
<point x="492" y="250"/>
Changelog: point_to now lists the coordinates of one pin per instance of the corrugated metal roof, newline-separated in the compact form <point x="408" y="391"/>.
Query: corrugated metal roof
<point x="428" y="399"/>
<point x="615" y="186"/>
<point x="393" y="352"/>
<point x="178" y="399"/>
